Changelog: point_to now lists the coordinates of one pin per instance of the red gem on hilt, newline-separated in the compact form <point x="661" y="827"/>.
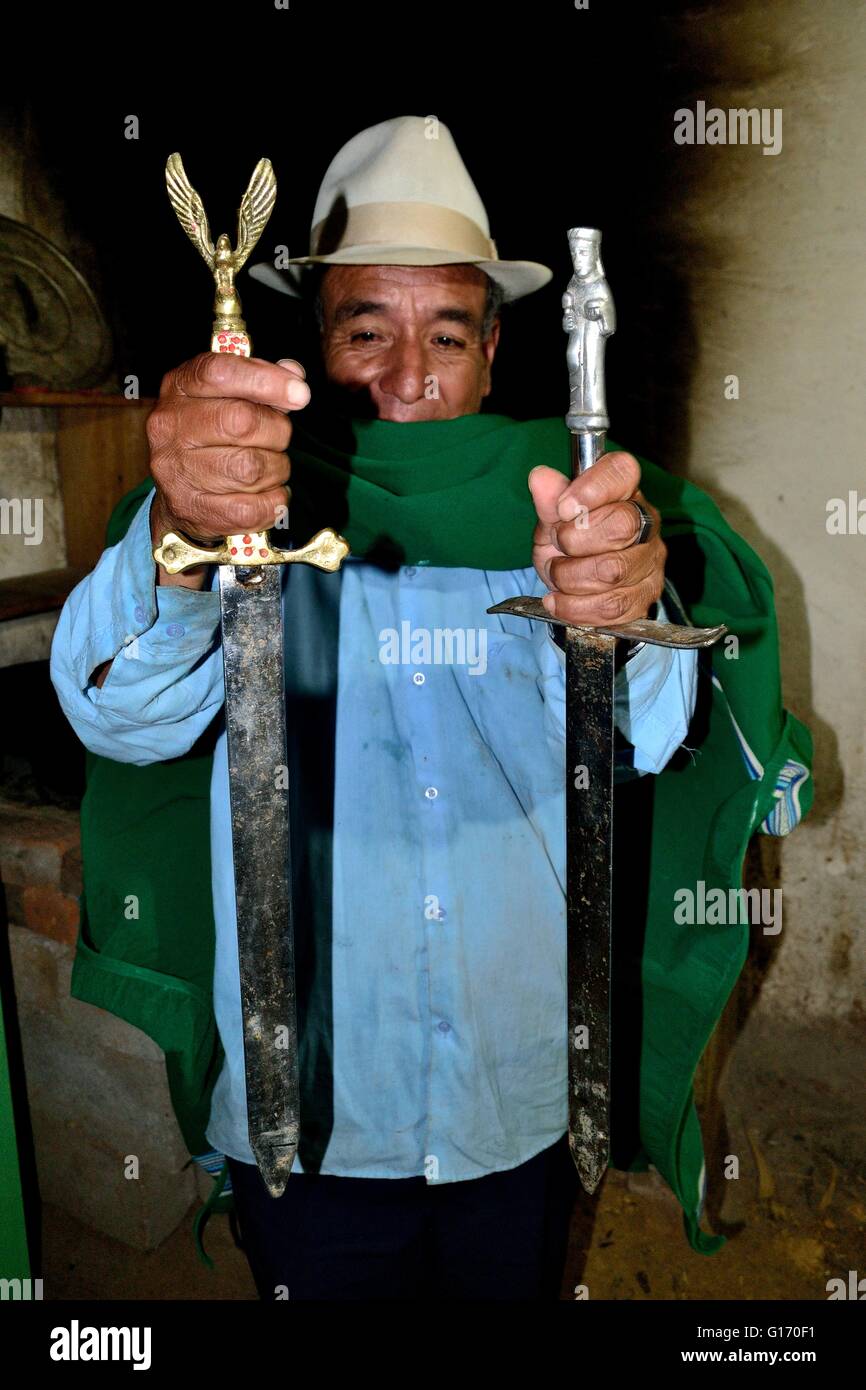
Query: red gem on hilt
<point x="248" y="550"/>
<point x="263" y="552"/>
<point x="221" y="338"/>
<point x="234" y="550"/>
<point x="247" y="540"/>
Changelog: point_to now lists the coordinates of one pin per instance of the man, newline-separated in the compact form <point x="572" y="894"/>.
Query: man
<point x="428" y="841"/>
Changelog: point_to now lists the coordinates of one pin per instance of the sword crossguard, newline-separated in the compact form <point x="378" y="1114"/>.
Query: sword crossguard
<point x="641" y="630"/>
<point x="251" y="550"/>
<point x="325" y="551"/>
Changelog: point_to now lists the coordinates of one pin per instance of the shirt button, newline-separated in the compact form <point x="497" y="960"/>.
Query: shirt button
<point x="444" y="1027"/>
<point x="410" y="572"/>
<point x="418" y="678"/>
<point x="175" y="630"/>
<point x="139" y="614"/>
<point x="431" y="793"/>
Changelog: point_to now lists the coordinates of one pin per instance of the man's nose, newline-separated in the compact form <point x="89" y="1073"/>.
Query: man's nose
<point x="405" y="373"/>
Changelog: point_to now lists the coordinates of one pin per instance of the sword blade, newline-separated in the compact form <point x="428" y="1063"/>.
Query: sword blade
<point x="255" y="707"/>
<point x="589" y="745"/>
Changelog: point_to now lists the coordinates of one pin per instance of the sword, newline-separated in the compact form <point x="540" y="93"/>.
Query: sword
<point x="589" y="318"/>
<point x="251" y="616"/>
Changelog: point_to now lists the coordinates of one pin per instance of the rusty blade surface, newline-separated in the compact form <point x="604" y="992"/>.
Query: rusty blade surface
<point x="589" y="751"/>
<point x="255" y="711"/>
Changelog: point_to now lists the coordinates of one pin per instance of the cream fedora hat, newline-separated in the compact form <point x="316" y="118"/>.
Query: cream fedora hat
<point x="399" y="194"/>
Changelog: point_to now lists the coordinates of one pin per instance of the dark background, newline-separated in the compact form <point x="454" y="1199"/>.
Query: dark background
<point x="563" y="118"/>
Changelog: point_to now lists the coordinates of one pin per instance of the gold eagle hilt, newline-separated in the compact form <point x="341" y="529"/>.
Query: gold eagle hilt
<point x="250" y="549"/>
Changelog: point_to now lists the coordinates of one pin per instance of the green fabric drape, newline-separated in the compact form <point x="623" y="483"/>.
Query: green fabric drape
<point x="14" y="1248"/>
<point x="454" y="493"/>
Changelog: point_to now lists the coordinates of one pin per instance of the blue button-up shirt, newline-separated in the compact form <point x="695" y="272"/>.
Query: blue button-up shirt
<point x="439" y="1025"/>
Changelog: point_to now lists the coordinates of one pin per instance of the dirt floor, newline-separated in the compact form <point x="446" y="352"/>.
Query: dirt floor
<point x="794" y="1112"/>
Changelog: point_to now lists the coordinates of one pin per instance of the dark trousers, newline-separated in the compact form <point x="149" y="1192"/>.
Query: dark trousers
<point x="502" y="1236"/>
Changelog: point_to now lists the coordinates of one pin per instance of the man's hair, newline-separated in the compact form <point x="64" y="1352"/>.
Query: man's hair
<point x="312" y="294"/>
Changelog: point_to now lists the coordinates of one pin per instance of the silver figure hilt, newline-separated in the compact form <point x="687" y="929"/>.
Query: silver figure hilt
<point x="589" y="319"/>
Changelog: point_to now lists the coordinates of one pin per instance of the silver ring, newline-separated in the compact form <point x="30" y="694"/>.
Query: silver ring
<point x="646" y="523"/>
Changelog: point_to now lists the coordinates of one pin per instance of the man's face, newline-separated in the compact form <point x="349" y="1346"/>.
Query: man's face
<point x="407" y="339"/>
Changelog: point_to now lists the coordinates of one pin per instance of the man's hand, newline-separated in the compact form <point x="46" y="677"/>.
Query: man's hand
<point x="218" y="437"/>
<point x="583" y="544"/>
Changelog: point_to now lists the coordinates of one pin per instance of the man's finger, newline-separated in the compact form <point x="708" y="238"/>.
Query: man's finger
<point x="246" y="378"/>
<point x="228" y="421"/>
<point x="615" y="606"/>
<point x="614" y="526"/>
<point x="226" y="514"/>
<point x="599" y="574"/>
<point x="290" y="365"/>
<point x="615" y="478"/>
<point x="547" y="485"/>
<point x="228" y="471"/>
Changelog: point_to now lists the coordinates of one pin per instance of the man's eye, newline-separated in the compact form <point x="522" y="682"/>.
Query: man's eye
<point x="448" y="341"/>
<point x="366" y="335"/>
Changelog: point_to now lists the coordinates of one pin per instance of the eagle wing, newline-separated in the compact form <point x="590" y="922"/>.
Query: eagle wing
<point x="255" y="209"/>
<point x="189" y="208"/>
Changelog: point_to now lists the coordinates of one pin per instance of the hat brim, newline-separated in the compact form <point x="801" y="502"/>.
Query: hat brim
<point x="516" y="278"/>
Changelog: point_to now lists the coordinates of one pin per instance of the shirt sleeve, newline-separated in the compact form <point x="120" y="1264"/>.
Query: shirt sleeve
<point x="654" y="696"/>
<point x="166" y="682"/>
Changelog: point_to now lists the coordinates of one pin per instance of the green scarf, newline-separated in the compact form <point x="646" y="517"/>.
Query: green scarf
<point x="456" y="496"/>
<point x="454" y="493"/>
